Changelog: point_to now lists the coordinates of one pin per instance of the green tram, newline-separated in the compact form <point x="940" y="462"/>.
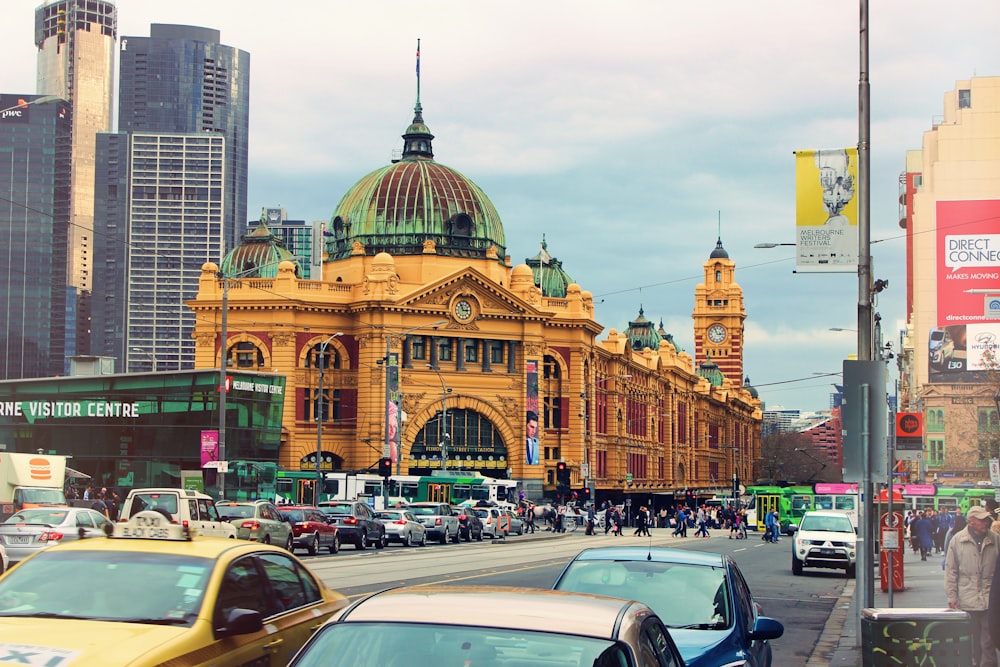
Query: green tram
<point x="792" y="502"/>
<point x="295" y="486"/>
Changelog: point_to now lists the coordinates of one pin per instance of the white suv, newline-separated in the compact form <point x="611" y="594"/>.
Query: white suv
<point x="825" y="538"/>
<point x="183" y="506"/>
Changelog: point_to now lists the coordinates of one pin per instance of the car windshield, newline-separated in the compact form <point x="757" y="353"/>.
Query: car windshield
<point x="152" y="501"/>
<point x="831" y="524"/>
<point x="294" y="515"/>
<point x="423" y="511"/>
<point x="52" y="517"/>
<point x="385" y="644"/>
<point x="240" y="511"/>
<point x="103" y="586"/>
<point x="339" y="510"/>
<point x="660" y="585"/>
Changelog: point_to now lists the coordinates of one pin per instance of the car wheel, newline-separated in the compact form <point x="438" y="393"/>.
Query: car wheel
<point x="796" y="566"/>
<point x="457" y="537"/>
<point x="289" y="544"/>
<point x="479" y="537"/>
<point x="852" y="571"/>
<point x="465" y="535"/>
<point x="335" y="544"/>
<point x="444" y="537"/>
<point x="266" y="540"/>
<point x="362" y="542"/>
<point x="520" y="529"/>
<point x="313" y="547"/>
<point x="408" y="542"/>
<point x="381" y="542"/>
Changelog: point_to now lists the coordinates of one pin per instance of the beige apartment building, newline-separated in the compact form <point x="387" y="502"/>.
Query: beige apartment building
<point x="949" y="368"/>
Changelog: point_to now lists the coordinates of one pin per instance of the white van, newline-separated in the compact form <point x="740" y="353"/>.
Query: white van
<point x="183" y="505"/>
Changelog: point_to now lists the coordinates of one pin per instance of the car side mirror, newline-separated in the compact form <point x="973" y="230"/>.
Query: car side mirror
<point x="766" y="628"/>
<point x="241" y="622"/>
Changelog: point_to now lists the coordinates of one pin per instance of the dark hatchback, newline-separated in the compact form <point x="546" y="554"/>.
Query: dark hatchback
<point x="356" y="522"/>
<point x="470" y="527"/>
<point x="719" y="622"/>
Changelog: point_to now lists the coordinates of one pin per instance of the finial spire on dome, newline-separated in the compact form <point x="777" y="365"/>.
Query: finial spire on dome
<point x="417" y="138"/>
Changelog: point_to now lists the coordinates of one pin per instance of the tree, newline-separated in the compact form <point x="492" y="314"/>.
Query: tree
<point x="792" y="457"/>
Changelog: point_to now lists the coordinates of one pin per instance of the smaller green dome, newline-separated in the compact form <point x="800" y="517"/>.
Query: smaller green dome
<point x="750" y="388"/>
<point x="710" y="371"/>
<point x="549" y="274"/>
<point x="257" y="256"/>
<point x="641" y="334"/>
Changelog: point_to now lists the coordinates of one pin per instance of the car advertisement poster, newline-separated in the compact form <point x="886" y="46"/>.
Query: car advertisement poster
<point x="963" y="353"/>
<point x="968" y="262"/>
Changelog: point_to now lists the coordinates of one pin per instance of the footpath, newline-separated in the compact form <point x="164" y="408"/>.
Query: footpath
<point x="839" y="643"/>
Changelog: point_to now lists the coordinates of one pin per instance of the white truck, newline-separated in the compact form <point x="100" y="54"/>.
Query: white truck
<point x="30" y="480"/>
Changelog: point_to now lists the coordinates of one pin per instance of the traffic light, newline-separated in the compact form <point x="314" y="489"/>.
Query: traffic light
<point x="689" y="497"/>
<point x="562" y="474"/>
<point x="385" y="466"/>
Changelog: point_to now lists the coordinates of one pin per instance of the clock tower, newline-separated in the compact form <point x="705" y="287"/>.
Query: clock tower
<point x="718" y="316"/>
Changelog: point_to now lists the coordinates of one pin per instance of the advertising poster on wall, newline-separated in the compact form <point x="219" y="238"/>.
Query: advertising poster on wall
<point x="826" y="210"/>
<point x="531" y="454"/>
<point x="392" y="409"/>
<point x="968" y="262"/>
<point x="963" y="353"/>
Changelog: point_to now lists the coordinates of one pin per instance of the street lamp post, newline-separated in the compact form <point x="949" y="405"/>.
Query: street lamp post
<point x="222" y="464"/>
<point x="140" y="350"/>
<point x="389" y="337"/>
<point x="445" y="438"/>
<point x="319" y="416"/>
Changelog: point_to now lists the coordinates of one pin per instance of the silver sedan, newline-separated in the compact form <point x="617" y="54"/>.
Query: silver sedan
<point x="401" y="526"/>
<point x="38" y="528"/>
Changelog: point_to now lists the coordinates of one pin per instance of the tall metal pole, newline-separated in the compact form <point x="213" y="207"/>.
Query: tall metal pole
<point x="223" y="358"/>
<point x="321" y="361"/>
<point x="444" y="420"/>
<point x="386" y="452"/>
<point x="865" y="578"/>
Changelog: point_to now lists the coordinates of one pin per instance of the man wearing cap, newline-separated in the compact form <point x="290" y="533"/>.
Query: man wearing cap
<point x="968" y="577"/>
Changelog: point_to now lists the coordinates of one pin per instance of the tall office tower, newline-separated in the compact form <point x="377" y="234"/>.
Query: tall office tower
<point x="176" y="178"/>
<point x="35" y="178"/>
<point x="76" y="45"/>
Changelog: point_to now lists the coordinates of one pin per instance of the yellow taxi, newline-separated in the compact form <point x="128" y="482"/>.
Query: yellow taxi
<point x="154" y="594"/>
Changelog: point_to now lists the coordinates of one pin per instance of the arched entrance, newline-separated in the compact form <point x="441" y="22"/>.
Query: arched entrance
<point x="474" y="443"/>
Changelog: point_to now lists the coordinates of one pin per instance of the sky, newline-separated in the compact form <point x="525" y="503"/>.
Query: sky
<point x="629" y="134"/>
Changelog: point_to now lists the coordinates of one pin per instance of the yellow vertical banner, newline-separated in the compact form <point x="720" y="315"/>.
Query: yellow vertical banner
<point x="826" y="211"/>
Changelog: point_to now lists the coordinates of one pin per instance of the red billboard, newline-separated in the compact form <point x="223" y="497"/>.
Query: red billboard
<point x="968" y="261"/>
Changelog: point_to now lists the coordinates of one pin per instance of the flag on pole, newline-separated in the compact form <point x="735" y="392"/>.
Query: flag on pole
<point x="544" y="256"/>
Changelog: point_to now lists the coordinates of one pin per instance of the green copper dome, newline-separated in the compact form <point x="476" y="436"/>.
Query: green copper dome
<point x="710" y="371"/>
<point x="400" y="207"/>
<point x="641" y="333"/>
<point x="257" y="256"/>
<point x="549" y="274"/>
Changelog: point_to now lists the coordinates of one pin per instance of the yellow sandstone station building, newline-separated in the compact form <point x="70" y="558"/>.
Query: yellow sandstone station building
<point x="421" y="322"/>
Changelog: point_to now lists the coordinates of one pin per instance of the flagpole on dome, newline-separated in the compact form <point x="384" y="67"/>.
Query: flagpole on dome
<point x="418" y="73"/>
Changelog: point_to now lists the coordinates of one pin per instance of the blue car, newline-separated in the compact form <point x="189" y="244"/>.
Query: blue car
<point x="701" y="597"/>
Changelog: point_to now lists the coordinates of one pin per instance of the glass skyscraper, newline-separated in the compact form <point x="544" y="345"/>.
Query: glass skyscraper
<point x="175" y="175"/>
<point x="35" y="205"/>
<point x="76" y="45"/>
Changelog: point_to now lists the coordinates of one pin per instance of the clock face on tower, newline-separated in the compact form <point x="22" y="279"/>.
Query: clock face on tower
<point x="462" y="310"/>
<point x="717" y="333"/>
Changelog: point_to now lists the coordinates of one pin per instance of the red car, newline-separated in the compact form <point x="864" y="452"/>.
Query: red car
<point x="310" y="530"/>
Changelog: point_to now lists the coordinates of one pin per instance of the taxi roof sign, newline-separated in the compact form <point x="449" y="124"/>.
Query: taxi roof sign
<point x="151" y="525"/>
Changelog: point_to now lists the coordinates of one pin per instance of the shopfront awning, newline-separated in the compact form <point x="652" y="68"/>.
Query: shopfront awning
<point x="76" y="474"/>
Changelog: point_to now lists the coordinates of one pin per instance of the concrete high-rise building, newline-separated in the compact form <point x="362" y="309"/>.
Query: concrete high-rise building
<point x="76" y="45"/>
<point x="173" y="183"/>
<point x="950" y="352"/>
<point x="35" y="177"/>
